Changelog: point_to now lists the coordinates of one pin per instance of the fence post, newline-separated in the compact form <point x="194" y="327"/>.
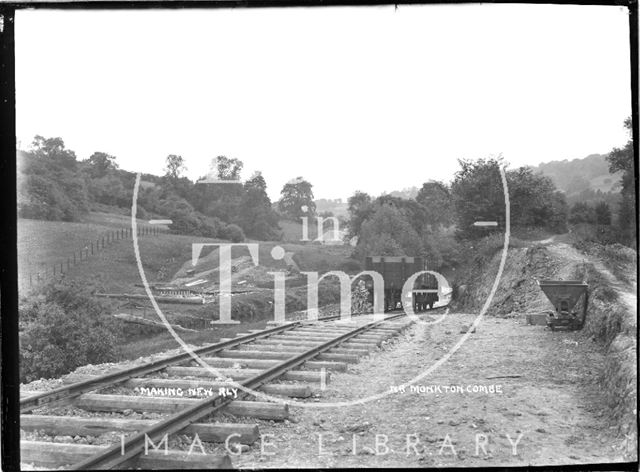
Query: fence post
<point x="92" y="248"/>
<point x="68" y="264"/>
<point x="30" y="282"/>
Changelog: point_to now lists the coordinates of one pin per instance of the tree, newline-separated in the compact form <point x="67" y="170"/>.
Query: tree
<point x="360" y="208"/>
<point x="533" y="199"/>
<point x="101" y="163"/>
<point x="257" y="217"/>
<point x="48" y="183"/>
<point x="174" y="167"/>
<point x="436" y="199"/>
<point x="226" y="168"/>
<point x="53" y="151"/>
<point x="602" y="214"/>
<point x="477" y="195"/>
<point x="621" y="159"/>
<point x="388" y="233"/>
<point x="295" y="195"/>
<point x="581" y="213"/>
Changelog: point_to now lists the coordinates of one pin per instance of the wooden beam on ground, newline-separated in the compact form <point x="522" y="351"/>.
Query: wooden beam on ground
<point x="81" y="426"/>
<point x="266" y="363"/>
<point x="239" y="363"/>
<point x="255" y="354"/>
<point x="291" y="390"/>
<point x="285" y="342"/>
<point x="119" y="403"/>
<point x="288" y="390"/>
<point x="241" y="374"/>
<point x="348" y="358"/>
<point x="54" y="455"/>
<point x="341" y="350"/>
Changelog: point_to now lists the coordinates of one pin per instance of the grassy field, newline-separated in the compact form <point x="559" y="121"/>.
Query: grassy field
<point x="44" y="243"/>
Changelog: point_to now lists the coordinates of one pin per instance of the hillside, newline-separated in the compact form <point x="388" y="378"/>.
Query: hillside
<point x="586" y="179"/>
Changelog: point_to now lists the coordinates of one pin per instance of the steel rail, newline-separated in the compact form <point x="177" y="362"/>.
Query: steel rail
<point x="115" y="456"/>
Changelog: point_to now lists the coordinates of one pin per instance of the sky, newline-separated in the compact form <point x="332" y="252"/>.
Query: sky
<point x="368" y="98"/>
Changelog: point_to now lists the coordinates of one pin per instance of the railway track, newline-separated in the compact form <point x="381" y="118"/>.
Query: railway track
<point x="118" y="420"/>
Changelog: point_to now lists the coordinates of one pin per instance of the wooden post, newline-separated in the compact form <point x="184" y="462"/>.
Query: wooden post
<point x="61" y="268"/>
<point x="92" y="248"/>
<point x="30" y="281"/>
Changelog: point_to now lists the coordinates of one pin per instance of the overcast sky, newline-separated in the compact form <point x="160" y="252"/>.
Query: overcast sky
<point x="363" y="98"/>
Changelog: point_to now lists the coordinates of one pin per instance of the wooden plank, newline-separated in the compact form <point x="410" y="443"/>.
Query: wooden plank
<point x="347" y="358"/>
<point x="118" y="403"/>
<point x="375" y="338"/>
<point x="291" y="341"/>
<point x="255" y="354"/>
<point x="328" y="365"/>
<point x="240" y="374"/>
<point x="293" y="349"/>
<point x="291" y="390"/>
<point x="49" y="454"/>
<point x="266" y="363"/>
<point x="341" y="350"/>
<point x="239" y="362"/>
<point x="80" y="426"/>
<point x="286" y="342"/>
<point x="262" y="410"/>
<point x="357" y="345"/>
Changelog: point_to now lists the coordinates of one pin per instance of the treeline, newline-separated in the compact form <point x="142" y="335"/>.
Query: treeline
<point x="441" y="215"/>
<point x="424" y="225"/>
<point x="53" y="184"/>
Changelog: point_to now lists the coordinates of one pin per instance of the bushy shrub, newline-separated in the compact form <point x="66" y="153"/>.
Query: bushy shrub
<point x="233" y="233"/>
<point x="62" y="328"/>
<point x="40" y="197"/>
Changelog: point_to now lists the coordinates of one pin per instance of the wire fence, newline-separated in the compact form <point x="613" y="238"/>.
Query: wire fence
<point x="32" y="279"/>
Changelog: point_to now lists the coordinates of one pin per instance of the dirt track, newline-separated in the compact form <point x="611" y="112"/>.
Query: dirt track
<point x="554" y="403"/>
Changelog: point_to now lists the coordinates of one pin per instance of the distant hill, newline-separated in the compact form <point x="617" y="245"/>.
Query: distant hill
<point x="586" y="179"/>
<point x="406" y="193"/>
